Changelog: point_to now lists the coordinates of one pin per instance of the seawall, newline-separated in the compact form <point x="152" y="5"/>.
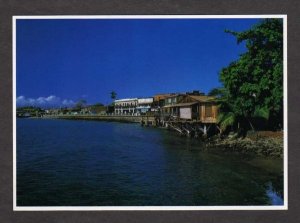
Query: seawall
<point x="112" y="118"/>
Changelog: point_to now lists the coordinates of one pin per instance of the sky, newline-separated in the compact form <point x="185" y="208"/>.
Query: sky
<point x="62" y="61"/>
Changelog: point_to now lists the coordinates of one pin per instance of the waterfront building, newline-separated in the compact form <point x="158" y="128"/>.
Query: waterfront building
<point x="133" y="106"/>
<point x="159" y="99"/>
<point x="85" y="110"/>
<point x="125" y="106"/>
<point x="144" y="105"/>
<point x="54" y="111"/>
<point x="94" y="109"/>
<point x="170" y="107"/>
<point x="191" y="107"/>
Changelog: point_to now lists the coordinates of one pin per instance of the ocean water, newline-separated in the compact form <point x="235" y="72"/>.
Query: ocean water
<point x="93" y="163"/>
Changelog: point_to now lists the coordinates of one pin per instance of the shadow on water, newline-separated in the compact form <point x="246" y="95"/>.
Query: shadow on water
<point x="229" y="179"/>
<point x="84" y="163"/>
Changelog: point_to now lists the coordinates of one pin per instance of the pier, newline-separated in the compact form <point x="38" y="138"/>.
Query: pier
<point x="194" y="129"/>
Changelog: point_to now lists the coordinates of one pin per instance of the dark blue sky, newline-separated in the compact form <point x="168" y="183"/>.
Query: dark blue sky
<point x="73" y="59"/>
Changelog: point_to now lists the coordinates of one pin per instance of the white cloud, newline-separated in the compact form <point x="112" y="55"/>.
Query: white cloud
<point x="68" y="102"/>
<point x="44" y="102"/>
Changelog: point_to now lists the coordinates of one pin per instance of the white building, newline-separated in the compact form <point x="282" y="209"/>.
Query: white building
<point x="126" y="106"/>
<point x="132" y="106"/>
<point x="144" y="105"/>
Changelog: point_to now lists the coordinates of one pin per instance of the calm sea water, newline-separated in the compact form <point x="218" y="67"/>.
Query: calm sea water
<point x="90" y="163"/>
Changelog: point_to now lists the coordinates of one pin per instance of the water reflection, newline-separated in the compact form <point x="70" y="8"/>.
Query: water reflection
<point x="225" y="179"/>
<point x="65" y="163"/>
<point x="275" y="197"/>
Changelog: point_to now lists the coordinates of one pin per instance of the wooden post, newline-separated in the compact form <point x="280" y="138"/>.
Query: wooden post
<point x="204" y="130"/>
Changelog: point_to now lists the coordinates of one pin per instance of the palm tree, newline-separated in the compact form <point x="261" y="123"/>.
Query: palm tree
<point x="228" y="117"/>
<point x="226" y="120"/>
<point x="113" y="95"/>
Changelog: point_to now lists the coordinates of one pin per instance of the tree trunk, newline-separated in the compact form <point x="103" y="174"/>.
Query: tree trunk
<point x="252" y="127"/>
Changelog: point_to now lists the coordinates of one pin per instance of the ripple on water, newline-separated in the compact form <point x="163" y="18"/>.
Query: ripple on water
<point x="63" y="163"/>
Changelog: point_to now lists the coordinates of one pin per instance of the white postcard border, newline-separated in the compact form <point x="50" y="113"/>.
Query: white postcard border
<point x="152" y="208"/>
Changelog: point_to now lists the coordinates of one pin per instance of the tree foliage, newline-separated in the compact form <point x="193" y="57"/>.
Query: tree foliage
<point x="254" y="83"/>
<point x="227" y="116"/>
<point x="113" y="95"/>
<point x="80" y="104"/>
<point x="98" y="105"/>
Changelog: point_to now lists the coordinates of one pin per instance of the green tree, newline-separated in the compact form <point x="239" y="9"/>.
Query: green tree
<point x="255" y="81"/>
<point x="98" y="105"/>
<point x="80" y="104"/>
<point x="227" y="118"/>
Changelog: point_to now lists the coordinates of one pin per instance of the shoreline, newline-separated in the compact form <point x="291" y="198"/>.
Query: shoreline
<point x="271" y="147"/>
<point x="109" y="118"/>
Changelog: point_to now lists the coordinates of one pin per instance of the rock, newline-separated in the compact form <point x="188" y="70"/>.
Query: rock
<point x="271" y="147"/>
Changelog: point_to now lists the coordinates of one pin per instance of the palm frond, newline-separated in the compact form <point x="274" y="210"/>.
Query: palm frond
<point x="262" y="112"/>
<point x="226" y="119"/>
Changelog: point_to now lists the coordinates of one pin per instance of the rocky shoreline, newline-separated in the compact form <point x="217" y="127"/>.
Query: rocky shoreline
<point x="252" y="144"/>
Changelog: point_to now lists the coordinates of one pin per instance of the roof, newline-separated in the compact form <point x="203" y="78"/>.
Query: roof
<point x="162" y="96"/>
<point x="126" y="99"/>
<point x="202" y="98"/>
<point x="145" y="100"/>
<point x="181" y="105"/>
